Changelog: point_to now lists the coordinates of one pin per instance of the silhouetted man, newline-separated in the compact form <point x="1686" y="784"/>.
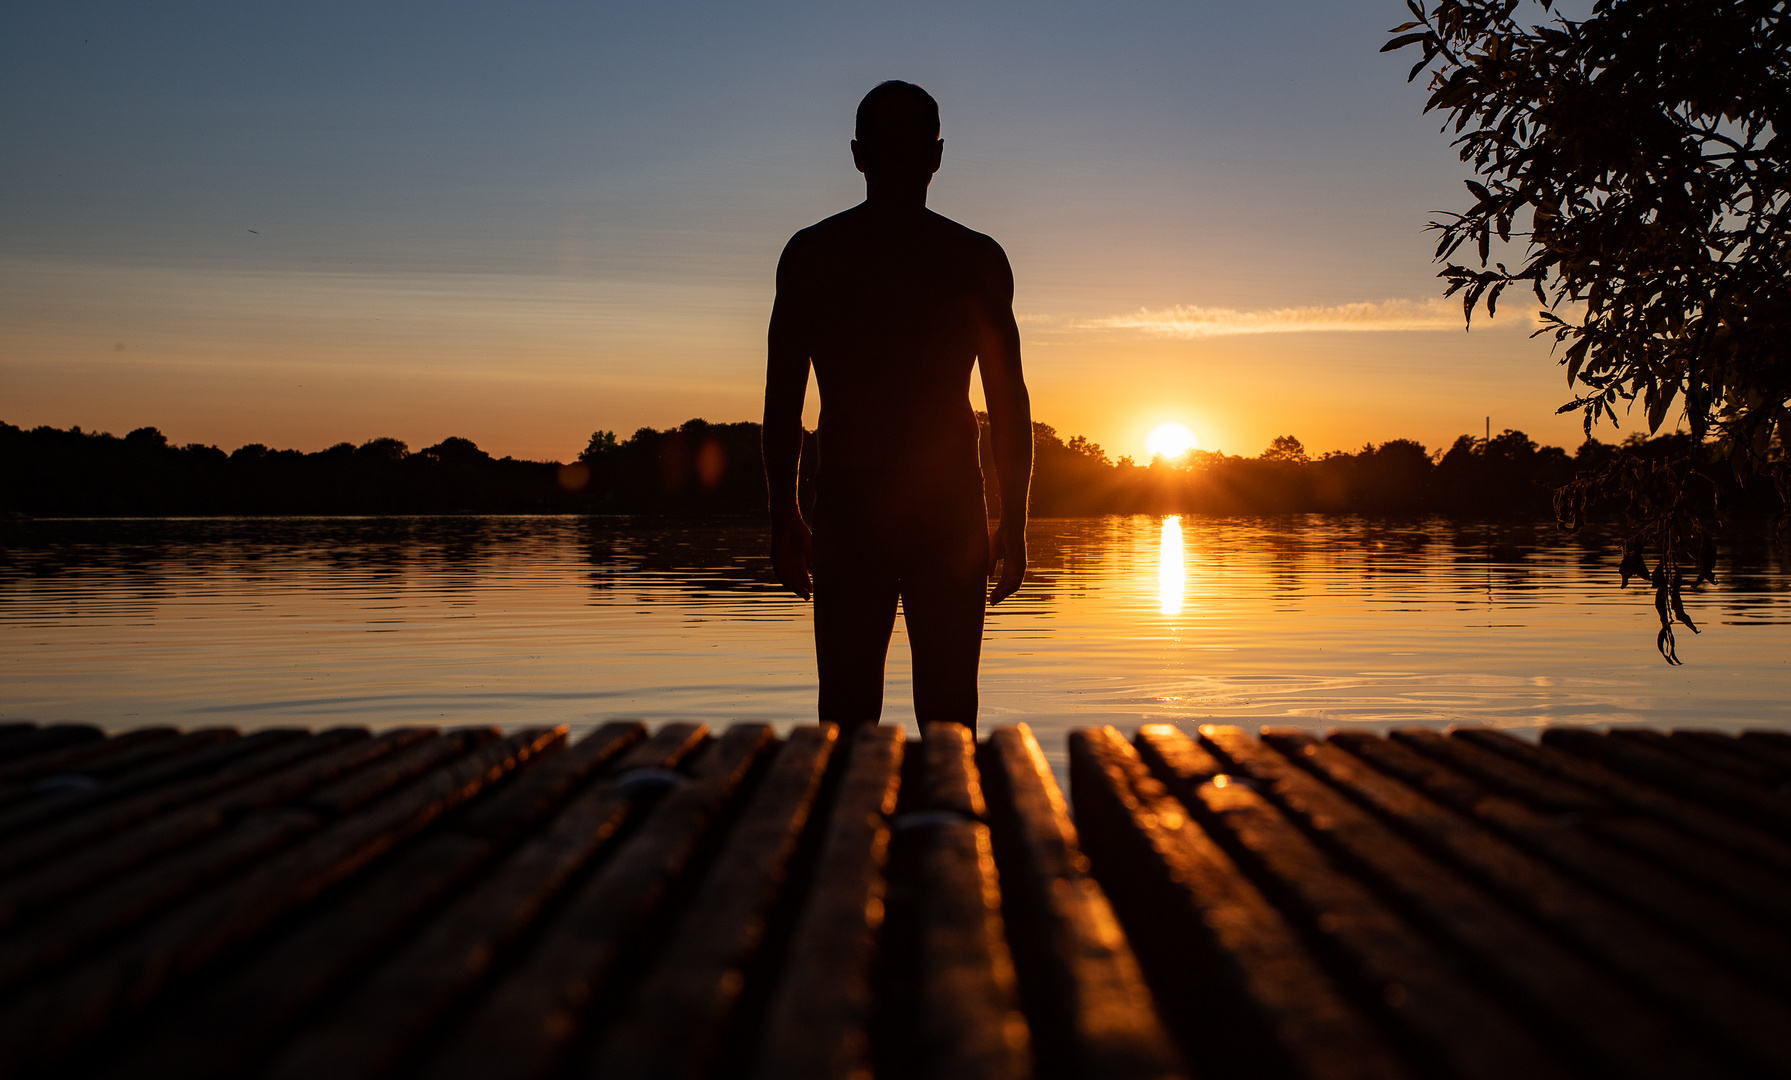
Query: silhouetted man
<point x="893" y="305"/>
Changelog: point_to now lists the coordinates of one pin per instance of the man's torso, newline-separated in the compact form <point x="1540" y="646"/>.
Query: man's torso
<point x="893" y="309"/>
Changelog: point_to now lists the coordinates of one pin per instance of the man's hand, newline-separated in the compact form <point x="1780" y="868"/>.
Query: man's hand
<point x="792" y="545"/>
<point x="1009" y="550"/>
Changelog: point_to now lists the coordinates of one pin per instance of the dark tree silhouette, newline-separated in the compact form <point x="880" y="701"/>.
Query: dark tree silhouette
<point x="699" y="468"/>
<point x="1642" y="144"/>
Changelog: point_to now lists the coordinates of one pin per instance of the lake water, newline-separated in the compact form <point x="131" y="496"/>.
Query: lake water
<point x="1309" y="621"/>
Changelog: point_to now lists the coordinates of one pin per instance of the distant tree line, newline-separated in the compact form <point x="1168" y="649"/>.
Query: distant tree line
<point x="704" y="468"/>
<point x="1508" y="474"/>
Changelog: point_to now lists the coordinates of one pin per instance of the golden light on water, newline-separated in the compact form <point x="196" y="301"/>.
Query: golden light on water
<point x="1172" y="571"/>
<point x="1170" y="440"/>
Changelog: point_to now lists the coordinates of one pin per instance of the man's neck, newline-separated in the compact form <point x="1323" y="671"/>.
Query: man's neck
<point x="896" y="194"/>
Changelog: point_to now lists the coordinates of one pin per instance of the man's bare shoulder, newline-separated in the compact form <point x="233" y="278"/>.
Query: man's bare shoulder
<point x="974" y="243"/>
<point x="986" y="259"/>
<point x="816" y="243"/>
<point x="840" y="226"/>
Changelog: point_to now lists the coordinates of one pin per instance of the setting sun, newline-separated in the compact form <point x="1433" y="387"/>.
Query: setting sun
<point x="1170" y="440"/>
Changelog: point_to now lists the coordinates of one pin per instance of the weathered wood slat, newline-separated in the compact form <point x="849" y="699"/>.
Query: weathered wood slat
<point x="1092" y="1017"/>
<point x="53" y="1014"/>
<point x="251" y="785"/>
<point x="220" y="1032"/>
<point x="1760" y="763"/>
<point x="1602" y="1021"/>
<point x="62" y="809"/>
<point x="818" y="1024"/>
<point x="380" y="1021"/>
<point x="362" y="786"/>
<point x="68" y="838"/>
<point x="1235" y="984"/>
<point x="84" y="757"/>
<point x="36" y="740"/>
<point x="1448" y="1022"/>
<point x="962" y="1006"/>
<point x="950" y="782"/>
<point x="969" y="1024"/>
<point x="1734" y="1014"/>
<point x="1669" y="772"/>
<point x="1689" y="817"/>
<point x="525" y="1025"/>
<point x="131" y="897"/>
<point x="1746" y="943"/>
<point x="677" y="1017"/>
<point x="91" y="858"/>
<point x="1715" y="869"/>
<point x="104" y="765"/>
<point x="1775" y="743"/>
<point x="1535" y="789"/>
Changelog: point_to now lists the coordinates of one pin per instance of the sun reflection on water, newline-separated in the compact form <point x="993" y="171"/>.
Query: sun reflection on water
<point x="1172" y="572"/>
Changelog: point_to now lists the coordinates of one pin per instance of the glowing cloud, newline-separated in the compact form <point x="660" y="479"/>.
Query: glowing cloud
<point x="1183" y="321"/>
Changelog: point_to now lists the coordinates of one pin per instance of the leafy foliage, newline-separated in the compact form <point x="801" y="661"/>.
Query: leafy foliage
<point x="1643" y="144"/>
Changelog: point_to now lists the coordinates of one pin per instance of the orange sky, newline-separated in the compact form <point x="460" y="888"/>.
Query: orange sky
<point x="520" y="229"/>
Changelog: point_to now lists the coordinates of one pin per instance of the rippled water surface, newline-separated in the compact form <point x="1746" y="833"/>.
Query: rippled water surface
<point x="1309" y="621"/>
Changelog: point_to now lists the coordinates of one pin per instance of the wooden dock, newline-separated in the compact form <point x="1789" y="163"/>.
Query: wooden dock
<point x="694" y="903"/>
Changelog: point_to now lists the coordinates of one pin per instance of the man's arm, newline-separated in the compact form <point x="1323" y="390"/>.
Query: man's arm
<point x="786" y="384"/>
<point x="1010" y="422"/>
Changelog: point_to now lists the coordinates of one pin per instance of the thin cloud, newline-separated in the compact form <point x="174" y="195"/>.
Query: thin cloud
<point x="1185" y="321"/>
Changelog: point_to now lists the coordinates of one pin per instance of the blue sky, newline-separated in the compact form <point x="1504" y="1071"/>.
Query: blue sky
<point x="299" y="224"/>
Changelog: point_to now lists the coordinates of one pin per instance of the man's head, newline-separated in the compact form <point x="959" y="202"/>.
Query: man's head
<point x="898" y="132"/>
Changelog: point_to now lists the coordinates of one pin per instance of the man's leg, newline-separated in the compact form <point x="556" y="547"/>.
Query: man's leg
<point x="944" y="615"/>
<point x="855" y="606"/>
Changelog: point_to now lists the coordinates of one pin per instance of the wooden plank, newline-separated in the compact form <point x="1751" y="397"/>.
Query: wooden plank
<point x="528" y="1021"/>
<point x="676" y="1020"/>
<point x="1535" y="789"/>
<point x="1090" y="1012"/>
<point x="1777" y="759"/>
<point x="362" y="786"/>
<point x="1689" y="817"/>
<point x="544" y="787"/>
<point x="950" y="782"/>
<point x="46" y="740"/>
<point x="1732" y="1013"/>
<point x="76" y="1001"/>
<point x="160" y="805"/>
<point x="128" y="898"/>
<point x="1719" y="752"/>
<point x="1745" y="943"/>
<point x="1772" y="737"/>
<point x="225" y="1029"/>
<point x="1604" y="1025"/>
<point x="63" y="808"/>
<point x="138" y="833"/>
<point x="110" y="763"/>
<point x="1230" y="975"/>
<point x="968" y="1022"/>
<point x="1447" y="1022"/>
<point x="83" y="756"/>
<point x="1669" y="772"/>
<point x="818" y="1025"/>
<point x="954" y="1008"/>
<point x="1739" y="880"/>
